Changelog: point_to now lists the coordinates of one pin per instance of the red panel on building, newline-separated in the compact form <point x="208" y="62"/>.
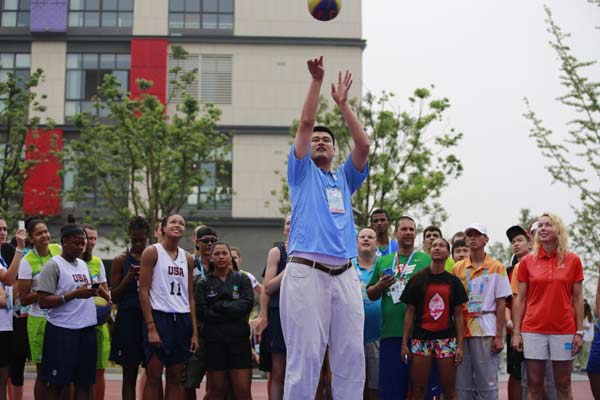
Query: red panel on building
<point x="149" y="61"/>
<point x="41" y="191"/>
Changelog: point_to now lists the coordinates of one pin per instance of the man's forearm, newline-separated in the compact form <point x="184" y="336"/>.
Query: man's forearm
<point x="360" y="152"/>
<point x="500" y="307"/>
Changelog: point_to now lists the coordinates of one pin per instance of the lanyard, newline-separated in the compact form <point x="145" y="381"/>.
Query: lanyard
<point x="329" y="176"/>
<point x="42" y="262"/>
<point x="397" y="264"/>
<point x="468" y="276"/>
<point x="200" y="266"/>
<point x="3" y="262"/>
<point x="355" y="263"/>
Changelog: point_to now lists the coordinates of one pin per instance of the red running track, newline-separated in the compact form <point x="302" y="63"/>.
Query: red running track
<point x="581" y="390"/>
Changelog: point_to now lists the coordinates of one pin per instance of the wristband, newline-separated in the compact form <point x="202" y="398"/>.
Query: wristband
<point x="149" y="323"/>
<point x="62" y="296"/>
<point x="18" y="250"/>
<point x="580" y="333"/>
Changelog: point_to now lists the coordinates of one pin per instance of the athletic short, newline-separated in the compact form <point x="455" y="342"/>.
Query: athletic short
<point x="175" y="331"/>
<point x="436" y="348"/>
<point x="538" y="346"/>
<point x="514" y="359"/>
<point x="127" y="347"/>
<point x="394" y="375"/>
<point x="103" y="346"/>
<point x="35" y="331"/>
<point x="6" y="344"/>
<point x="20" y="339"/>
<point x="593" y="366"/>
<point x="195" y="368"/>
<point x="69" y="356"/>
<point x="265" y="360"/>
<point x="276" y="342"/>
<point x="372" y="364"/>
<point x="225" y="356"/>
<point x="20" y="353"/>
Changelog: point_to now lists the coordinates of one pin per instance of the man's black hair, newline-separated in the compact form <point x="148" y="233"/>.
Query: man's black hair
<point x="322" y="128"/>
<point x="432" y="228"/>
<point x="380" y="211"/>
<point x="457" y="244"/>
<point x="139" y="223"/>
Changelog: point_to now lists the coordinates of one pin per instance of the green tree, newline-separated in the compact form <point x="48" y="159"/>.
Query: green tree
<point x="410" y="160"/>
<point x="575" y="160"/>
<point x="17" y="103"/>
<point x="137" y="159"/>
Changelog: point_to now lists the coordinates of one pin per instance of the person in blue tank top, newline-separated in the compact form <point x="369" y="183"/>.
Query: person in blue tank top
<point x="126" y="348"/>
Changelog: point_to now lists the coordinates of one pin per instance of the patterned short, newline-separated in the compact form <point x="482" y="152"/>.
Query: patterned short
<point x="436" y="348"/>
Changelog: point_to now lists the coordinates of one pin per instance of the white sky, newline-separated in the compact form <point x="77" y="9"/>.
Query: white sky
<point x="485" y="56"/>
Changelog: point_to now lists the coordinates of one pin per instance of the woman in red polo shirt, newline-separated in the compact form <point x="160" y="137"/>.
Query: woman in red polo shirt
<point x="548" y="323"/>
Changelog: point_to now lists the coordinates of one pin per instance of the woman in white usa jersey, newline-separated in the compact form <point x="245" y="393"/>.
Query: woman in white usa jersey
<point x="167" y="302"/>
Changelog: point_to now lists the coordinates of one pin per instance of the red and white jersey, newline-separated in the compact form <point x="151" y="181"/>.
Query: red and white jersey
<point x="169" y="288"/>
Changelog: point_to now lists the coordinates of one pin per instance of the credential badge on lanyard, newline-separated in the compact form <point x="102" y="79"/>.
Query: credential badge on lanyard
<point x="398" y="287"/>
<point x="475" y="303"/>
<point x="335" y="200"/>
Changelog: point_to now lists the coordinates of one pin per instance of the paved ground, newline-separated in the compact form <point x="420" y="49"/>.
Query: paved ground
<point x="581" y="388"/>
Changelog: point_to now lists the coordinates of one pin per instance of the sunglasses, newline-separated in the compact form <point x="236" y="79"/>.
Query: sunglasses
<point x="211" y="240"/>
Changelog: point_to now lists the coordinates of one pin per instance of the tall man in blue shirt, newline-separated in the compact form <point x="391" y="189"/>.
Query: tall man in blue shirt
<point x="321" y="301"/>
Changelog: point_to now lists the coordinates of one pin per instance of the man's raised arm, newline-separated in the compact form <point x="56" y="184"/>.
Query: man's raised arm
<point x="309" y="109"/>
<point x="360" y="152"/>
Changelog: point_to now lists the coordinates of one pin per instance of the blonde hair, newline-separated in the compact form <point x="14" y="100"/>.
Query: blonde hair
<point x="562" y="245"/>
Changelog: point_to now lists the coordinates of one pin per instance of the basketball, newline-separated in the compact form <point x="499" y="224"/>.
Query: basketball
<point x="324" y="10"/>
<point x="102" y="310"/>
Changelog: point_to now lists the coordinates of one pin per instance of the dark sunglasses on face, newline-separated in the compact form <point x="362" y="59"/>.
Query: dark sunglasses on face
<point x="208" y="240"/>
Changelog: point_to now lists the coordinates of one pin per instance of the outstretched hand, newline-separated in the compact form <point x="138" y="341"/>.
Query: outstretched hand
<point x="340" y="92"/>
<point x="315" y="67"/>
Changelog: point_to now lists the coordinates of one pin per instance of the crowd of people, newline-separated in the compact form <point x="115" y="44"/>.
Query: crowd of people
<point x="345" y="313"/>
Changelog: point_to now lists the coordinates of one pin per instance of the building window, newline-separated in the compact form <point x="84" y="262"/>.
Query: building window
<point x="85" y="72"/>
<point x="17" y="64"/>
<point x="15" y="13"/>
<point x="214" y="83"/>
<point x="201" y="14"/>
<point x="100" y="13"/>
<point x="215" y="192"/>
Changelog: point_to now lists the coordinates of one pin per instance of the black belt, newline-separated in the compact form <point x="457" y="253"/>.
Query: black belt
<point x="321" y="267"/>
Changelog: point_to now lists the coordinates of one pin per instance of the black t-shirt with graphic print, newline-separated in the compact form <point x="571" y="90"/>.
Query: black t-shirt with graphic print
<point x="434" y="298"/>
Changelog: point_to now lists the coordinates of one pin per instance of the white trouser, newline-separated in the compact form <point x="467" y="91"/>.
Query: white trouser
<point x="317" y="309"/>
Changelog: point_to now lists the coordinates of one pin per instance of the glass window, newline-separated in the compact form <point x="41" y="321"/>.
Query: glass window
<point x="201" y="14"/>
<point x="215" y="191"/>
<point x="100" y="13"/>
<point x="16" y="64"/>
<point x="85" y="72"/>
<point x="15" y="13"/>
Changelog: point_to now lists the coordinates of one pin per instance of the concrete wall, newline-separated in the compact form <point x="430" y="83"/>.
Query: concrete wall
<point x="256" y="158"/>
<point x="151" y="17"/>
<point x="51" y="57"/>
<point x="291" y="18"/>
<point x="270" y="82"/>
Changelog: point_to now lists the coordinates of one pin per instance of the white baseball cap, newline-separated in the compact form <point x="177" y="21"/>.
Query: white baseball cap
<point x="476" y="227"/>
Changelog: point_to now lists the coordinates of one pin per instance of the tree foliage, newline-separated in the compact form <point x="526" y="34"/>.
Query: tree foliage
<point x="137" y="159"/>
<point x="411" y="159"/>
<point x="17" y="102"/>
<point x="575" y="160"/>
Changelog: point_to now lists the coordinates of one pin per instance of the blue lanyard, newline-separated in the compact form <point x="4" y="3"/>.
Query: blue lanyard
<point x="200" y="266"/>
<point x="3" y="262"/>
<point x="481" y="286"/>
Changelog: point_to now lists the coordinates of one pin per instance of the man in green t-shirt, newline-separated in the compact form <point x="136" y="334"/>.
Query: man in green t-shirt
<point x="389" y="279"/>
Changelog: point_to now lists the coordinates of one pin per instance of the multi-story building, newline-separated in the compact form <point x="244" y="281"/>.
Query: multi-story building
<point x="251" y="59"/>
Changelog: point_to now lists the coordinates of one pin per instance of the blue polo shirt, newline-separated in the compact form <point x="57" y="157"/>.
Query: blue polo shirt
<point x="373" y="315"/>
<point x="316" y="229"/>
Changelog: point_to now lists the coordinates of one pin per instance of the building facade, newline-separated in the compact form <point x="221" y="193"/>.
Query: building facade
<point x="251" y="59"/>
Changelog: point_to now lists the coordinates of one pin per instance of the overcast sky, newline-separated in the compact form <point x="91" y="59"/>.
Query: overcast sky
<point x="485" y="56"/>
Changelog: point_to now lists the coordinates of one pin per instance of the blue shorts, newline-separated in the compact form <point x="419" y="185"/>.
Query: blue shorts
<point x="394" y="375"/>
<point x="69" y="356"/>
<point x="175" y="331"/>
<point x="127" y="346"/>
<point x="593" y="366"/>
